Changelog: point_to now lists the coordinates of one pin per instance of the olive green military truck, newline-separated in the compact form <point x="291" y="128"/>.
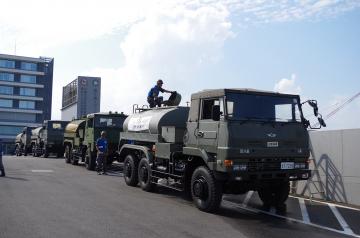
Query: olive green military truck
<point x="80" y="137"/>
<point x="48" y="139"/>
<point x="228" y="141"/>
<point x="23" y="142"/>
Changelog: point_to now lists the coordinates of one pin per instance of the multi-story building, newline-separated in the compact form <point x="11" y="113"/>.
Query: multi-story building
<point x="81" y="97"/>
<point x="25" y="94"/>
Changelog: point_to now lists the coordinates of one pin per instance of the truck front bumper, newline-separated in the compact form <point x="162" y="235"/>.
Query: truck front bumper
<point x="291" y="175"/>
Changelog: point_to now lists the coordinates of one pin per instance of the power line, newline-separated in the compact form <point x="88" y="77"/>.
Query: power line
<point x="336" y="110"/>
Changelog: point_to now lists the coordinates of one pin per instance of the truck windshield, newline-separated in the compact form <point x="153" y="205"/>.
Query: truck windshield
<point x="109" y="122"/>
<point x="262" y="107"/>
<point x="56" y="126"/>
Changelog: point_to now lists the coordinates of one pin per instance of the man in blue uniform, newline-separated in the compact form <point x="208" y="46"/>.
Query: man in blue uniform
<point x="153" y="95"/>
<point x="101" y="146"/>
<point x="2" y="169"/>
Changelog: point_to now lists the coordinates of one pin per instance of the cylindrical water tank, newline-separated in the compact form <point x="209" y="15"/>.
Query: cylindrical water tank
<point x="74" y="126"/>
<point x="151" y="121"/>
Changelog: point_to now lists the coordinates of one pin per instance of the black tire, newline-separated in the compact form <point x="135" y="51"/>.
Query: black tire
<point x="131" y="170"/>
<point x="144" y="175"/>
<point x="46" y="152"/>
<point x="67" y="155"/>
<point x="59" y="154"/>
<point x="206" y="192"/>
<point x="90" y="160"/>
<point x="275" y="194"/>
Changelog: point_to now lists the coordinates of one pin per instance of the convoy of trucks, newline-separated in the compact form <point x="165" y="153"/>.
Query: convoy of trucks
<point x="229" y="141"/>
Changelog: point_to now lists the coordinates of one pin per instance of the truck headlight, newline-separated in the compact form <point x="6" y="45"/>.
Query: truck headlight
<point x="240" y="167"/>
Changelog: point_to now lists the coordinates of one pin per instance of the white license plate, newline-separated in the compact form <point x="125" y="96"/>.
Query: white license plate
<point x="287" y="165"/>
<point x="273" y="144"/>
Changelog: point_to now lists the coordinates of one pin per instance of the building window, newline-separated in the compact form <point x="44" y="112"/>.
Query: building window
<point x="28" y="78"/>
<point x="27" y="104"/>
<point x="6" y="90"/>
<point x="27" y="91"/>
<point x="6" y="103"/>
<point x="7" y="64"/>
<point x="11" y="130"/>
<point x="6" y="77"/>
<point x="28" y="66"/>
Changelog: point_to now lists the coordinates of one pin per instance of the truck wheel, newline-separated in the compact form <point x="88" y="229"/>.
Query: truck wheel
<point x="275" y="194"/>
<point x="73" y="160"/>
<point x="46" y="152"/>
<point x="59" y="154"/>
<point x="144" y="173"/>
<point x="205" y="190"/>
<point x="90" y="160"/>
<point x="131" y="170"/>
<point x="67" y="155"/>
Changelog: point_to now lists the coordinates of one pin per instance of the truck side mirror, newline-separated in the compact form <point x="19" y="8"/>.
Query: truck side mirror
<point x="215" y="113"/>
<point x="313" y="104"/>
<point x="321" y="122"/>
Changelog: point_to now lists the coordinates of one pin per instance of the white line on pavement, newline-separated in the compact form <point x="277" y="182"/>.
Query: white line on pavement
<point x="257" y="211"/>
<point x="341" y="220"/>
<point x="42" y="171"/>
<point x="304" y="213"/>
<point x="247" y="198"/>
<point x="323" y="202"/>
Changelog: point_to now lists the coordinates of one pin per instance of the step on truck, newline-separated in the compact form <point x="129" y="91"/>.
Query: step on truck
<point x="23" y="142"/>
<point x="80" y="137"/>
<point x="48" y="139"/>
<point x="229" y="141"/>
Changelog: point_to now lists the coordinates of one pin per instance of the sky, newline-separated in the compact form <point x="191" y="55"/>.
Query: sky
<point x="305" y="47"/>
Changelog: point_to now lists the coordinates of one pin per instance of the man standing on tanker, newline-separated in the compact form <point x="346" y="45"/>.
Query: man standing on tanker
<point x="153" y="95"/>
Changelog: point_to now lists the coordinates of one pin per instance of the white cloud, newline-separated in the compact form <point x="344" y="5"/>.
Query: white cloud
<point x="169" y="45"/>
<point x="41" y="24"/>
<point x="169" y="39"/>
<point x="287" y="86"/>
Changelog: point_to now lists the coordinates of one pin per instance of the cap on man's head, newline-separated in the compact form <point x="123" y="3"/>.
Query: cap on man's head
<point x="103" y="133"/>
<point x="160" y="81"/>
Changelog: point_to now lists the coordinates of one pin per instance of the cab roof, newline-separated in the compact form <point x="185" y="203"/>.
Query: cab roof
<point x="209" y="93"/>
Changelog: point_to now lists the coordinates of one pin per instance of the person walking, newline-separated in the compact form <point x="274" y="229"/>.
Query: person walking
<point x="101" y="147"/>
<point x="153" y="95"/>
<point x="2" y="169"/>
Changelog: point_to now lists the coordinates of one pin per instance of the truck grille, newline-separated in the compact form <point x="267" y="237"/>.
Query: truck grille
<point x="263" y="166"/>
<point x="266" y="164"/>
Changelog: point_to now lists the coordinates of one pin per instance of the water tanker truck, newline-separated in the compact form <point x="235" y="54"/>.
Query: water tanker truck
<point x="49" y="138"/>
<point x="80" y="137"/>
<point x="229" y="141"/>
<point x="23" y="142"/>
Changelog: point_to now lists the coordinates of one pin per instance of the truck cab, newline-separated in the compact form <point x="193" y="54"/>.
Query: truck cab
<point x="81" y="136"/>
<point x="49" y="138"/>
<point x="249" y="134"/>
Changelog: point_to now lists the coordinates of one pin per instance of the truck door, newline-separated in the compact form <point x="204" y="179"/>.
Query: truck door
<point x="208" y="129"/>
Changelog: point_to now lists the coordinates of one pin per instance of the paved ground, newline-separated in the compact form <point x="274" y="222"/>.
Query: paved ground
<point x="48" y="198"/>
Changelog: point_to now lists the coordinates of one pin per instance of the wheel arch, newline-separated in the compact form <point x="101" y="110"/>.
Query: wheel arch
<point x="142" y="150"/>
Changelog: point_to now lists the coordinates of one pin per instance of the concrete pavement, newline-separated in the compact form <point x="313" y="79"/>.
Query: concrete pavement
<point x="48" y="198"/>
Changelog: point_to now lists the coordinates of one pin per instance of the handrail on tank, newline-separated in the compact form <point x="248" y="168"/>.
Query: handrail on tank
<point x="137" y="109"/>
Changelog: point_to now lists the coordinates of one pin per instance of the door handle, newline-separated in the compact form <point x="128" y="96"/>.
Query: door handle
<point x="200" y="134"/>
